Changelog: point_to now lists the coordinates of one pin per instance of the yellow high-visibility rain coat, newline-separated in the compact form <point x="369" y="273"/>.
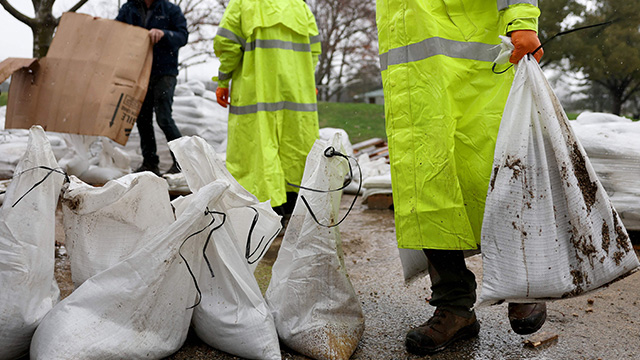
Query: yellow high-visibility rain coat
<point x="443" y="106"/>
<point x="269" y="50"/>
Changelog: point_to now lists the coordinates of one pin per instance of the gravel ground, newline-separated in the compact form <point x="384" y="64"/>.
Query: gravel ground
<point x="604" y="324"/>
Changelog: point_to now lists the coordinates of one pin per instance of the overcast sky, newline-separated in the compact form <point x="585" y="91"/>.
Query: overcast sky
<point x="16" y="39"/>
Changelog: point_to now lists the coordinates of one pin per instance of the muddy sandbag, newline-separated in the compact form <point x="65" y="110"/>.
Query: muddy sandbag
<point x="139" y="308"/>
<point x="28" y="289"/>
<point x="233" y="315"/>
<point x="316" y="310"/>
<point x="550" y="230"/>
<point x="104" y="225"/>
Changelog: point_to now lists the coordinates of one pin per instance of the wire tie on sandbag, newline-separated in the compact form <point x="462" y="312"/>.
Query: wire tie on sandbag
<point x="493" y="68"/>
<point x="195" y="281"/>
<point x="206" y="243"/>
<point x="248" y="254"/>
<point x="51" y="171"/>
<point x="331" y="152"/>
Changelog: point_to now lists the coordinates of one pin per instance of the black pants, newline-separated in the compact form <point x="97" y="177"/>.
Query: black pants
<point x="159" y="98"/>
<point x="453" y="286"/>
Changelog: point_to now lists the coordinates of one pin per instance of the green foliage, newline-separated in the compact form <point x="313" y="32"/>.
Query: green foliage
<point x="553" y="15"/>
<point x="3" y="99"/>
<point x="360" y="121"/>
<point x="609" y="56"/>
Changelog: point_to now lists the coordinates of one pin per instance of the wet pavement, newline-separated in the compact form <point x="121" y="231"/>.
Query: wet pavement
<point x="603" y="324"/>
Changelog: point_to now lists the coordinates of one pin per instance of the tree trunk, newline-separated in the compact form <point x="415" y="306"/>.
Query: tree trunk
<point x="616" y="103"/>
<point x="43" y="35"/>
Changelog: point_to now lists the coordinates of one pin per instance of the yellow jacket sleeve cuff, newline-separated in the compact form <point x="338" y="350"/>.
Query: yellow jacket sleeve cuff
<point x="519" y="17"/>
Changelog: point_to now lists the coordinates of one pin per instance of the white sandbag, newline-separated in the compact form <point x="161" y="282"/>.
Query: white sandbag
<point x="104" y="225"/>
<point x="233" y="315"/>
<point x="316" y="310"/>
<point x="28" y="289"/>
<point x="138" y="308"/>
<point x="550" y="230"/>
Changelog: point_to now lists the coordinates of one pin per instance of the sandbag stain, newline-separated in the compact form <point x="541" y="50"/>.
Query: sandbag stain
<point x="587" y="187"/>
<point x="493" y="178"/>
<point x="622" y="239"/>
<point x="606" y="239"/>
<point x="515" y="165"/>
<point x="582" y="245"/>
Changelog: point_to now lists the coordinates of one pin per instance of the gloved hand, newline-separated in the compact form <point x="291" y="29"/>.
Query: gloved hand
<point x="524" y="42"/>
<point x="222" y="95"/>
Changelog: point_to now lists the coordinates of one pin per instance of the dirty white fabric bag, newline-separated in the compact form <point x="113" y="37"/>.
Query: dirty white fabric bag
<point x="549" y="230"/>
<point x="316" y="310"/>
<point x="28" y="289"/>
<point x="255" y="224"/>
<point x="139" y="308"/>
<point x="233" y="315"/>
<point x="104" y="225"/>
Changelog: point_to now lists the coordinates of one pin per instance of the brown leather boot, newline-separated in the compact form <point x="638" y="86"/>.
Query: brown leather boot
<point x="440" y="331"/>
<point x="527" y="318"/>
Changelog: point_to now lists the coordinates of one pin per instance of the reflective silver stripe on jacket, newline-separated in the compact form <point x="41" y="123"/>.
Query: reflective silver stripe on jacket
<point x="223" y="76"/>
<point x="231" y="36"/>
<point x="282" y="105"/>
<point x="439" y="46"/>
<point x="277" y="44"/>
<point x="503" y="4"/>
<point x="315" y="39"/>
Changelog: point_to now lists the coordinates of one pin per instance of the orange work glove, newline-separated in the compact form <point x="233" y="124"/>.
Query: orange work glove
<point x="524" y="42"/>
<point x="222" y="94"/>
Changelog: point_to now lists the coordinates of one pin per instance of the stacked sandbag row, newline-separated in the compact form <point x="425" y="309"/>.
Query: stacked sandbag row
<point x="141" y="277"/>
<point x="611" y="142"/>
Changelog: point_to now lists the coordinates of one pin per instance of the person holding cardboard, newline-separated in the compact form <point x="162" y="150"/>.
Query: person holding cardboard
<point x="168" y="32"/>
<point x="443" y="107"/>
<point x="268" y="50"/>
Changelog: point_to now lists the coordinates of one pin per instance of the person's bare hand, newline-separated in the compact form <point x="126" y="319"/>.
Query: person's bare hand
<point x="156" y="35"/>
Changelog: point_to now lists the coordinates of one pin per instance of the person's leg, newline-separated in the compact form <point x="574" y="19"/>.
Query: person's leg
<point x="163" y="97"/>
<point x="453" y="294"/>
<point x="453" y="286"/>
<point x="163" y="101"/>
<point x="145" y="129"/>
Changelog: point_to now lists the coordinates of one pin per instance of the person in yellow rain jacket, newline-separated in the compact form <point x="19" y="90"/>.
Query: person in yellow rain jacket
<point x="269" y="50"/>
<point x="443" y="106"/>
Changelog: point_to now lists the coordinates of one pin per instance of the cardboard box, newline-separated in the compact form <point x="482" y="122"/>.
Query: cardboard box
<point x="92" y="81"/>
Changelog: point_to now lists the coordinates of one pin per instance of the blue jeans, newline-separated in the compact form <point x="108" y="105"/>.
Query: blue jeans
<point x="159" y="98"/>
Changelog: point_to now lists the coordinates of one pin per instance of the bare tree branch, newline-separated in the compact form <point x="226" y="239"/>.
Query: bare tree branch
<point x="77" y="6"/>
<point x="17" y="14"/>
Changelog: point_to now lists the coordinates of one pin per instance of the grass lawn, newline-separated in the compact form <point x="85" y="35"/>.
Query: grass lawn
<point x="361" y="121"/>
<point x="3" y="99"/>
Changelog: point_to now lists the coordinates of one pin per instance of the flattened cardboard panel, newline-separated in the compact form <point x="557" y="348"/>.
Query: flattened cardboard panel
<point x="92" y="81"/>
<point x="10" y="65"/>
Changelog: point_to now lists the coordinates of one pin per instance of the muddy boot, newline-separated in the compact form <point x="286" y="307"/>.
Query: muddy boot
<point x="441" y="330"/>
<point x="148" y="167"/>
<point x="527" y="318"/>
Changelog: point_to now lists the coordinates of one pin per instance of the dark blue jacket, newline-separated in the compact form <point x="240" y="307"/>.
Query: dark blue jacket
<point x="164" y="16"/>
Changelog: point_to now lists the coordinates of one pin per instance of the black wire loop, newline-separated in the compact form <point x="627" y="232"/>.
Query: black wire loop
<point x="51" y="171"/>
<point x="193" y="277"/>
<point x="331" y="152"/>
<point x="248" y="253"/>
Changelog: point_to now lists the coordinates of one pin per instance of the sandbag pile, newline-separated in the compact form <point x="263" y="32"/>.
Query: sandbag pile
<point x="139" y="308"/>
